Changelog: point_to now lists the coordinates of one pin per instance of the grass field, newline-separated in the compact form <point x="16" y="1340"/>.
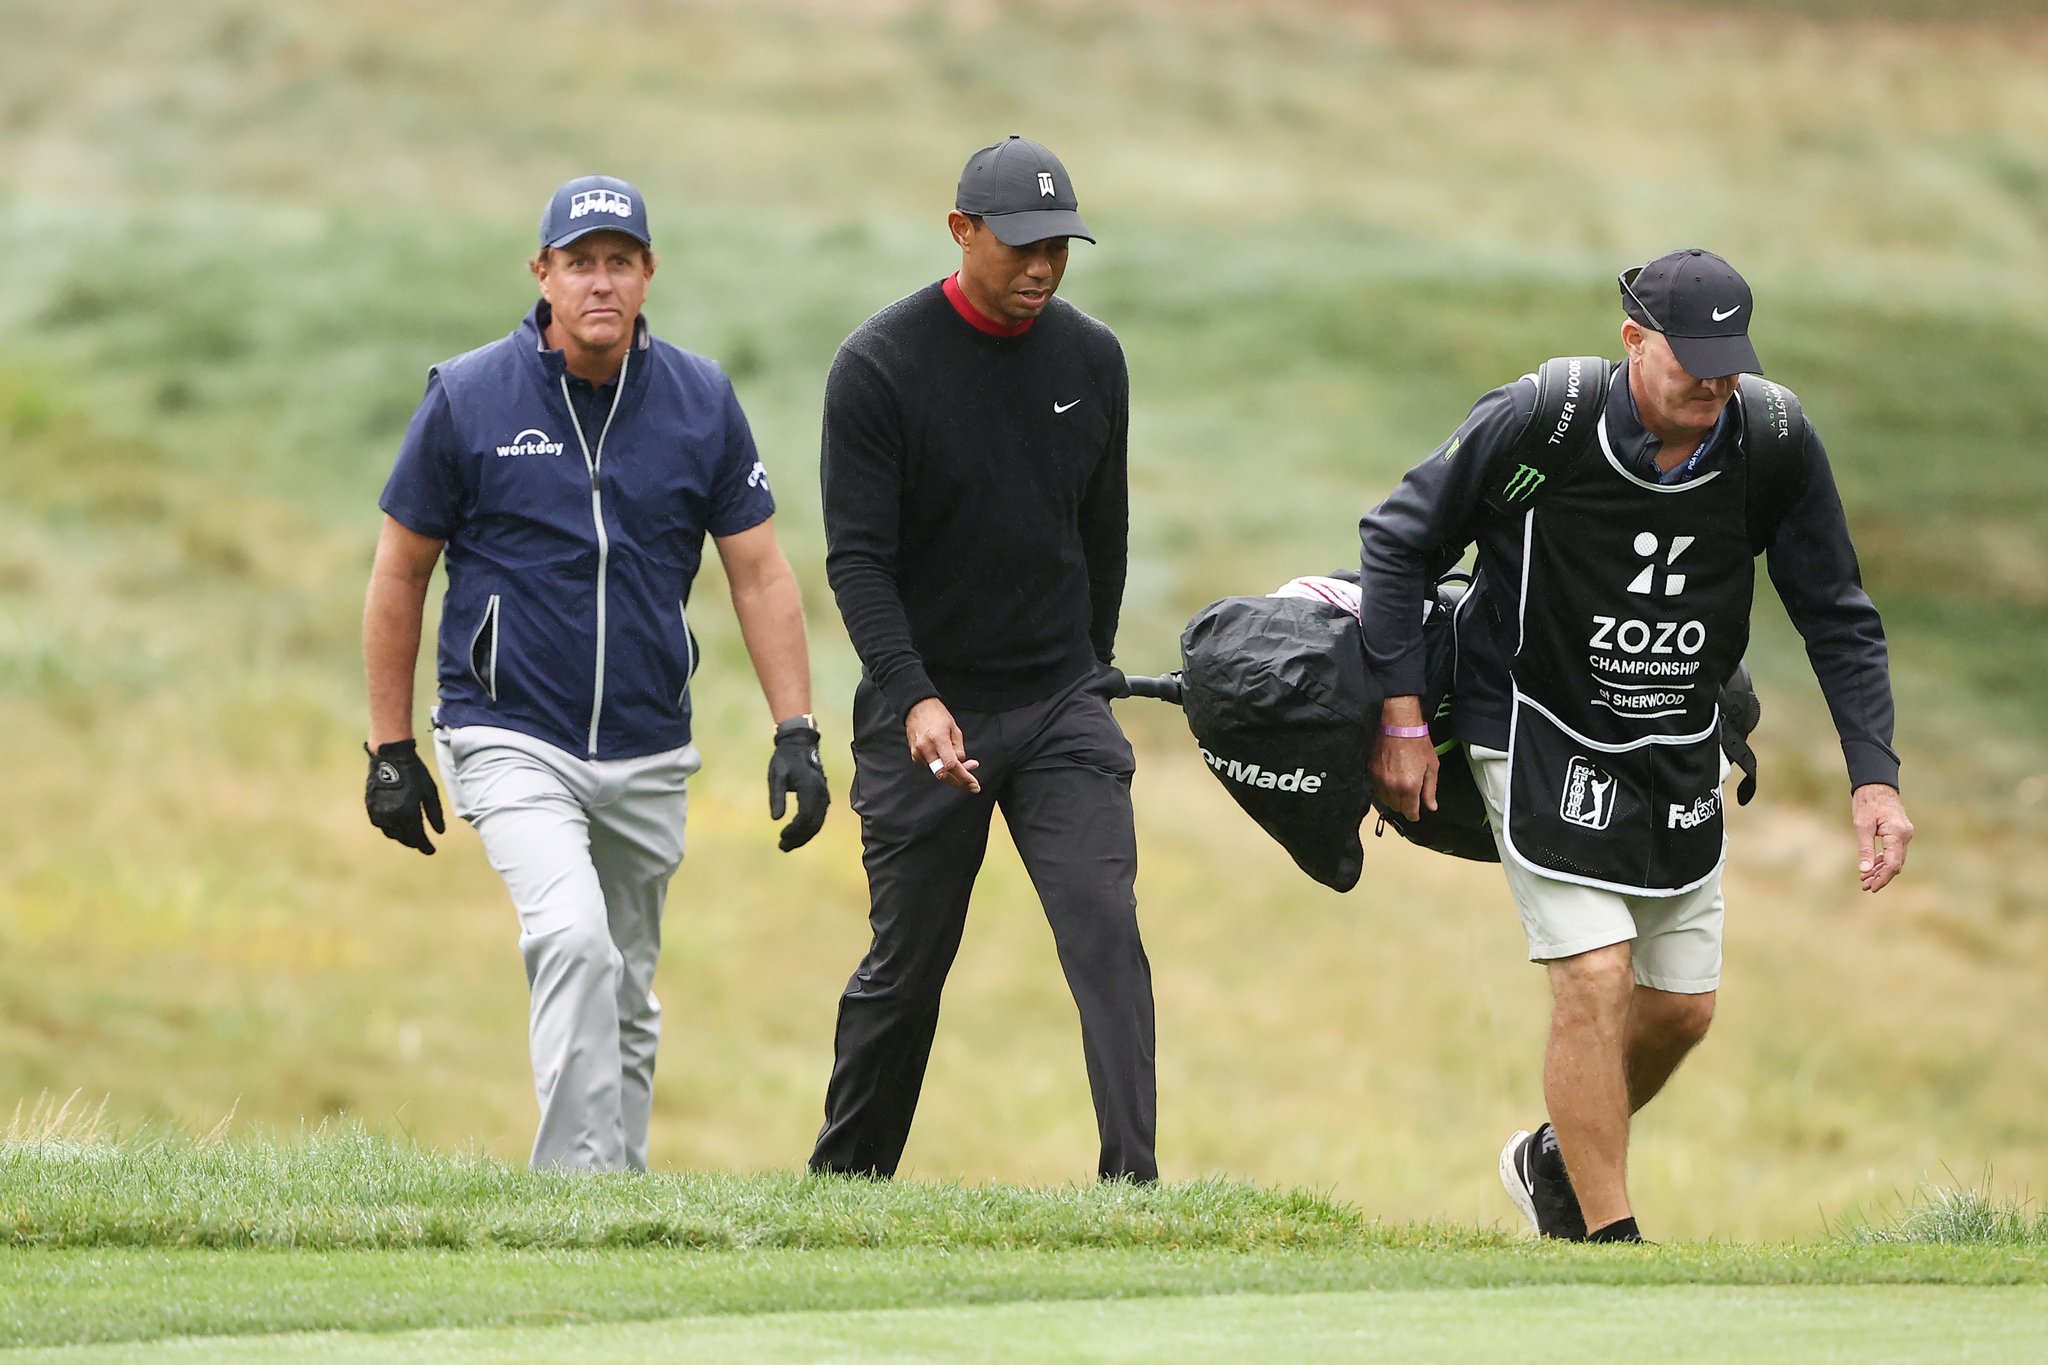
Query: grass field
<point x="239" y="234"/>
<point x="343" y="1245"/>
<point x="1845" y="1323"/>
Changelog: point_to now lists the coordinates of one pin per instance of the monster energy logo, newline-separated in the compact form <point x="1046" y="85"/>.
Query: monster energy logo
<point x="1522" y="483"/>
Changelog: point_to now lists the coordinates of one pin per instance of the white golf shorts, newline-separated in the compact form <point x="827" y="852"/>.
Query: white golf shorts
<point x="1676" y="940"/>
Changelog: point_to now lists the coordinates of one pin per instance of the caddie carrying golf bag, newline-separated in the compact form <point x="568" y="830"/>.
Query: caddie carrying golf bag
<point x="1278" y="695"/>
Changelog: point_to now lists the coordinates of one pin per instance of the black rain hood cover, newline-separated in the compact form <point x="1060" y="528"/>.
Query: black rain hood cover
<point x="1278" y="695"/>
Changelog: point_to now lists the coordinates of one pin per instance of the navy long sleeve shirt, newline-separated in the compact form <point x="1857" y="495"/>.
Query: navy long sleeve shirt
<point x="1437" y="511"/>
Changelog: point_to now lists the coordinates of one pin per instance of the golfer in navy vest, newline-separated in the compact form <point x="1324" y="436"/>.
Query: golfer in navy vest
<point x="976" y="524"/>
<point x="1612" y="600"/>
<point x="570" y="472"/>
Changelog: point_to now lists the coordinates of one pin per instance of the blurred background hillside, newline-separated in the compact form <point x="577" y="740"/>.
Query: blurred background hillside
<point x="237" y="235"/>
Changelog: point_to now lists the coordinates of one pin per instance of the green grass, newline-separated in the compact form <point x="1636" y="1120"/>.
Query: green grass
<point x="1957" y="1215"/>
<point x="1325" y="228"/>
<point x="346" y="1189"/>
<point x="69" y="1183"/>
<point x="151" y="1239"/>
<point x="627" y="1306"/>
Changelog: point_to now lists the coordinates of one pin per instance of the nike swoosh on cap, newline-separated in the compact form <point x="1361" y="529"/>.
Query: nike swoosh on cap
<point x="1062" y="407"/>
<point x="1720" y="316"/>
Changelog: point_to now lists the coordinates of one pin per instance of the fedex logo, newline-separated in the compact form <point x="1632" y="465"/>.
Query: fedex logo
<point x="1695" y="815"/>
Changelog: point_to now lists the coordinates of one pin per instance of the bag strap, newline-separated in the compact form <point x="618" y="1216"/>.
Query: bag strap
<point x="1773" y="434"/>
<point x="1571" y="390"/>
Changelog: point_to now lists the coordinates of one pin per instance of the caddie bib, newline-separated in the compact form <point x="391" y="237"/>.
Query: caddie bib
<point x="1633" y="609"/>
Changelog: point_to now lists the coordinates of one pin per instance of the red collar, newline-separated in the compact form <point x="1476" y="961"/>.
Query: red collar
<point x="976" y="318"/>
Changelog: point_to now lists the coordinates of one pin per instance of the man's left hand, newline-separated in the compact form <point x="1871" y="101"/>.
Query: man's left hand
<point x="795" y="768"/>
<point x="1882" y="833"/>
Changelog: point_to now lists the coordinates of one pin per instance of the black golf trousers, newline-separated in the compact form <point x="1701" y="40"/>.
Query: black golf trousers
<point x="1060" y="770"/>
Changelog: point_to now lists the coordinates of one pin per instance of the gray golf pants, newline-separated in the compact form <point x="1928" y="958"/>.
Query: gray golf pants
<point x="587" y="849"/>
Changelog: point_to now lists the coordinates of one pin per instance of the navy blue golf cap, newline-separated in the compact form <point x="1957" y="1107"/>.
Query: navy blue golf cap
<point x="1022" y="191"/>
<point x="594" y="203"/>
<point x="1701" y="305"/>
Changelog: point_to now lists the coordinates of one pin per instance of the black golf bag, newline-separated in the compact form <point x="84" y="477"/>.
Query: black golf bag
<point x="1278" y="695"/>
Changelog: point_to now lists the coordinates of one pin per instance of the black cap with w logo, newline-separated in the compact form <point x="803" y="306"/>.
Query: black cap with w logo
<point x="1022" y="191"/>
<point x="1700" y="305"/>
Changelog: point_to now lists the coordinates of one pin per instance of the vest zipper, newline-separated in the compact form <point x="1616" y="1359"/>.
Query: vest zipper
<point x="604" y="545"/>
<point x="689" y="655"/>
<point x="485" y="671"/>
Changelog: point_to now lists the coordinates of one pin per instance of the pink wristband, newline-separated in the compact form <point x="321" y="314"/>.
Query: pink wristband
<point x="1405" y="731"/>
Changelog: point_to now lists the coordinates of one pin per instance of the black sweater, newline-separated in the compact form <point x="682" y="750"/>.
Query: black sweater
<point x="976" y="501"/>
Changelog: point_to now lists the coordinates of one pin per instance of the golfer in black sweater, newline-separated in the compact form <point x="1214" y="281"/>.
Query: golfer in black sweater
<point x="976" y="516"/>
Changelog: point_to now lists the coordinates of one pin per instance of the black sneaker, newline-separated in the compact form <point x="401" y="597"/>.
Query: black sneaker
<point x="1628" y="1236"/>
<point x="1549" y="1204"/>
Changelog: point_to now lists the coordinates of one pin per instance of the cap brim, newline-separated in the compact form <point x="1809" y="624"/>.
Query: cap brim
<point x="581" y="231"/>
<point x="1022" y="229"/>
<point x="1715" y="357"/>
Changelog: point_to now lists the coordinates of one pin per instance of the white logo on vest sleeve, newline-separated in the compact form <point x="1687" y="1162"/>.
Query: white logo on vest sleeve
<point x="600" y="201"/>
<point x="757" y="477"/>
<point x="532" y="441"/>
<point x="1045" y="188"/>
<point x="1588" y="795"/>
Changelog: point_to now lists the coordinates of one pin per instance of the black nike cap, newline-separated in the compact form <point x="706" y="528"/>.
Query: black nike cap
<point x="1022" y="191"/>
<point x="1701" y="305"/>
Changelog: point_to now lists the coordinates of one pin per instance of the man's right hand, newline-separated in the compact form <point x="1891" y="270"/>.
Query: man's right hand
<point x="399" y="792"/>
<point x="936" y="744"/>
<point x="1404" y="770"/>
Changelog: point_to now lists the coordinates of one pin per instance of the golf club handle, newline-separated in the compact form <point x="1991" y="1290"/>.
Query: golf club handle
<point x="1166" y="687"/>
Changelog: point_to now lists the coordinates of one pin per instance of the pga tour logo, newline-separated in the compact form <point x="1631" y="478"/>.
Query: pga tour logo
<point x="532" y="441"/>
<point x="1588" y="795"/>
<point x="1252" y="775"/>
<point x="600" y="201"/>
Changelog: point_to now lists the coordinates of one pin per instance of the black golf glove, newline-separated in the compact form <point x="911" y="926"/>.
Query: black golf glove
<point x="795" y="768"/>
<point x="399" y="791"/>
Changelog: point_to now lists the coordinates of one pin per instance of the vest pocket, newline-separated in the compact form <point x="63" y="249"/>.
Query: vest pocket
<point x="483" y="650"/>
<point x="689" y="655"/>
